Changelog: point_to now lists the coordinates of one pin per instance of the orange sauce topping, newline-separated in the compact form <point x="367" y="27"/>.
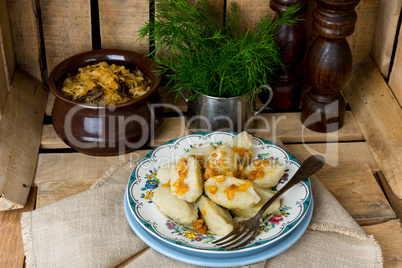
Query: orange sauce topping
<point x="255" y="174"/>
<point x="181" y="187"/>
<point x="220" y="178"/>
<point x="212" y="189"/>
<point x="242" y="152"/>
<point x="209" y="173"/>
<point x="204" y="212"/>
<point x="232" y="189"/>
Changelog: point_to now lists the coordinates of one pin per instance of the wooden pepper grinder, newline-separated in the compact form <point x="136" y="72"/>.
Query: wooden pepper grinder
<point x="329" y="65"/>
<point x="293" y="41"/>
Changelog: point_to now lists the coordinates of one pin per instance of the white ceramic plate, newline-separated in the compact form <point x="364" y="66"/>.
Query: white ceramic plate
<point x="143" y="180"/>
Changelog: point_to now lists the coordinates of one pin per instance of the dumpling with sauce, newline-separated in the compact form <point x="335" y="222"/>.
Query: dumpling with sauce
<point x="221" y="161"/>
<point x="186" y="181"/>
<point x="230" y="192"/>
<point x="264" y="173"/>
<point x="176" y="209"/>
<point x="265" y="195"/>
<point x="200" y="153"/>
<point x="218" y="219"/>
<point x="242" y="145"/>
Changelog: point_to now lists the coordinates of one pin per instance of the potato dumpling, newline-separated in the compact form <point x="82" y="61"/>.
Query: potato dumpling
<point x="243" y="140"/>
<point x="200" y="153"/>
<point x="218" y="219"/>
<point x="230" y="192"/>
<point x="164" y="172"/>
<point x="242" y="145"/>
<point x="264" y="173"/>
<point x="220" y="161"/>
<point x="176" y="209"/>
<point x="186" y="182"/>
<point x="265" y="195"/>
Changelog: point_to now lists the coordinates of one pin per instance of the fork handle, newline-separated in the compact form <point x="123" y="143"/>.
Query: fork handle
<point x="310" y="166"/>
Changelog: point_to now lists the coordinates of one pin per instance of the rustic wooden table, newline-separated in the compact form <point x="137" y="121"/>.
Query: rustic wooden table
<point x="352" y="175"/>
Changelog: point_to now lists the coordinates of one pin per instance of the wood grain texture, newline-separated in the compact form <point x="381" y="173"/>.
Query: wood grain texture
<point x="11" y="245"/>
<point x="389" y="237"/>
<point x="395" y="78"/>
<point x="356" y="182"/>
<point x="21" y="129"/>
<point x="395" y="202"/>
<point x="335" y="154"/>
<point x="66" y="29"/>
<point x="287" y="127"/>
<point x="6" y="41"/>
<point x="380" y="119"/>
<point x="25" y="28"/>
<point x="361" y="41"/>
<point x="77" y="167"/>
<point x="4" y="86"/>
<point x="384" y="35"/>
<point x="119" y="22"/>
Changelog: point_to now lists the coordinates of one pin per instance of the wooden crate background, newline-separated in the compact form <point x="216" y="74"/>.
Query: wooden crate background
<point x="35" y="35"/>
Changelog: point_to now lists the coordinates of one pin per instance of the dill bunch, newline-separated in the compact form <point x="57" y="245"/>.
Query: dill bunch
<point x="196" y="49"/>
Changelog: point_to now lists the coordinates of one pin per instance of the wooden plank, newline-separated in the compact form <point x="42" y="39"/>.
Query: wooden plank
<point x="379" y="117"/>
<point x="286" y="126"/>
<point x="11" y="245"/>
<point x="384" y="34"/>
<point x="395" y="78"/>
<point x="395" y="202"/>
<point x="4" y="86"/>
<point x="356" y="182"/>
<point x="389" y="237"/>
<point x="66" y="29"/>
<point x="21" y="129"/>
<point x="335" y="154"/>
<point x="25" y="29"/>
<point x="77" y="167"/>
<point x="119" y="22"/>
<point x="361" y="41"/>
<point x="6" y="41"/>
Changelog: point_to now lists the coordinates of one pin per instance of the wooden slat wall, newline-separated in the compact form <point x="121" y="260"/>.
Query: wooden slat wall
<point x="26" y="37"/>
<point x="7" y="56"/>
<point x="119" y="22"/>
<point x="395" y="79"/>
<point x="384" y="35"/>
<point x="7" y="46"/>
<point x="66" y="29"/>
<point x="380" y="119"/>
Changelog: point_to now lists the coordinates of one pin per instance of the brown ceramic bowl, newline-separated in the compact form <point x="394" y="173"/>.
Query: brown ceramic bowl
<point x="106" y="130"/>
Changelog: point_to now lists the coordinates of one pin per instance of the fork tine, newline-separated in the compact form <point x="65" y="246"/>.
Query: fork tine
<point x="236" y="239"/>
<point x="229" y="235"/>
<point x="255" y="232"/>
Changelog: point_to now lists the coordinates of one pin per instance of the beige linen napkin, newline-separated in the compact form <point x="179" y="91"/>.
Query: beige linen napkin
<point x="90" y="230"/>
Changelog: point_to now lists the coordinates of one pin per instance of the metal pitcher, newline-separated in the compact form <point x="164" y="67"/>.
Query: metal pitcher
<point x="206" y="113"/>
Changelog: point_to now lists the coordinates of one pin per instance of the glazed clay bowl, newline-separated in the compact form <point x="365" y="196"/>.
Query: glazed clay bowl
<point x="112" y="129"/>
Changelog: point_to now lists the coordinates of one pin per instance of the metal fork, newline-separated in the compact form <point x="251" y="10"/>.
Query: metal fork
<point x="247" y="230"/>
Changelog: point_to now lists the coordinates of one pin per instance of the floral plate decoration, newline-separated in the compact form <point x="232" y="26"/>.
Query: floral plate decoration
<point x="144" y="178"/>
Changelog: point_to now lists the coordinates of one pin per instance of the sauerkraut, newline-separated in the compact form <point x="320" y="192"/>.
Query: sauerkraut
<point x="104" y="84"/>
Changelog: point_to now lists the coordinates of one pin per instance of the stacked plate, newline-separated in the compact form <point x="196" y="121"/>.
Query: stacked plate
<point x="181" y="242"/>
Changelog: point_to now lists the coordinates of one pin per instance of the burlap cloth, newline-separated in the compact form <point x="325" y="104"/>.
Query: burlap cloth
<point x="90" y="230"/>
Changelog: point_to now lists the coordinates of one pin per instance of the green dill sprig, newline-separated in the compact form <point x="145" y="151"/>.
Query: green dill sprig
<point x="195" y="49"/>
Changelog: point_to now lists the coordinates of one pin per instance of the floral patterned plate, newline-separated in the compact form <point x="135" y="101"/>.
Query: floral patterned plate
<point x="144" y="179"/>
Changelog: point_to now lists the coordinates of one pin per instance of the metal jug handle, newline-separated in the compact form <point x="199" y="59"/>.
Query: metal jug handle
<point x="184" y="97"/>
<point x="271" y="94"/>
